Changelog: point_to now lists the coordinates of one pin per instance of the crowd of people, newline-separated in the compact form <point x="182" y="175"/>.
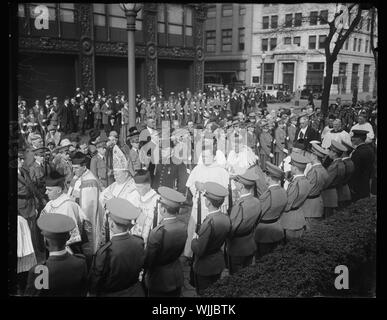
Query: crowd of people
<point x="214" y="177"/>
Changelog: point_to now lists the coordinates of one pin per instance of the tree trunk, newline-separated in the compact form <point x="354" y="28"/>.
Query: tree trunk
<point x="327" y="88"/>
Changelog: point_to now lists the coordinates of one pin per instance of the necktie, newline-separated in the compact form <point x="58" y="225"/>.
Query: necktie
<point x="301" y="135"/>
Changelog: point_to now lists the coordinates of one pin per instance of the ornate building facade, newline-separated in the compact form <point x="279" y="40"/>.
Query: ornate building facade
<point x="85" y="46"/>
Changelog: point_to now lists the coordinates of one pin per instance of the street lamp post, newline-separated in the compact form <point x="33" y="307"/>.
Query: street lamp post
<point x="263" y="66"/>
<point x="131" y="10"/>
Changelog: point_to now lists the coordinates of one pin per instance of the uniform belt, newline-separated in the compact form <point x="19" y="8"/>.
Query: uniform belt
<point x="269" y="221"/>
<point x="293" y="209"/>
<point x="313" y="197"/>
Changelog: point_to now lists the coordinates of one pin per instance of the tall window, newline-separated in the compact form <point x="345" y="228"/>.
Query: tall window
<point x="242" y="9"/>
<point x="287" y="40"/>
<point x="366" y="46"/>
<point x="175" y="18"/>
<point x="359" y="46"/>
<point x="268" y="73"/>
<point x="99" y="14"/>
<point x="297" y="41"/>
<point x="288" y="20"/>
<point x="346" y="44"/>
<point x="321" y="40"/>
<point x="66" y="12"/>
<point x="368" y="24"/>
<point x="354" y="44"/>
<point x="210" y="41"/>
<point x="324" y="17"/>
<point x="227" y="40"/>
<point x="274" y="22"/>
<point x="298" y="19"/>
<point x="312" y="42"/>
<point x="265" y="43"/>
<point x="360" y="25"/>
<point x="342" y="78"/>
<point x="161" y="18"/>
<point x="265" y="22"/>
<point x="313" y="18"/>
<point x="188" y="20"/>
<point x="241" y="38"/>
<point x="366" y="78"/>
<point x="273" y="43"/>
<point x="211" y="12"/>
<point x="226" y="10"/>
<point x="355" y="76"/>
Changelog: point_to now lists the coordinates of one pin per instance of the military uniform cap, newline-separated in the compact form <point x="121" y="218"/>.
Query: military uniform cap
<point x="248" y="178"/>
<point x="251" y="114"/>
<point x="359" y="133"/>
<point x="122" y="211"/>
<point x="40" y="151"/>
<point x="315" y="142"/>
<point x="113" y="134"/>
<point x="100" y="142"/>
<point x="55" y="179"/>
<point x="133" y="132"/>
<point x="318" y="150"/>
<point x="55" y="226"/>
<point x="337" y="146"/>
<point x="215" y="191"/>
<point x="302" y="114"/>
<point x="78" y="158"/>
<point x="171" y="197"/>
<point x="350" y="147"/>
<point x="274" y="171"/>
<point x="299" y="160"/>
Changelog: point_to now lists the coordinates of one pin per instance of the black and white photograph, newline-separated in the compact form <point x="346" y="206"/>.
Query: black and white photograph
<point x="193" y="150"/>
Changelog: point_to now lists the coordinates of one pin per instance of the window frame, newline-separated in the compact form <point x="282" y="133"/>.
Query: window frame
<point x="228" y="37"/>
<point x="321" y="44"/>
<point x="271" y="22"/>
<point x="263" y="22"/>
<point x="239" y="39"/>
<point x="296" y="20"/>
<point x="315" y="42"/>
<point x="211" y="38"/>
<point x="314" y="15"/>
<point x="275" y="45"/>
<point x="289" y="40"/>
<point x="287" y="21"/>
<point x="224" y="5"/>
<point x="299" y="43"/>
<point x="327" y="15"/>
<point x="263" y="40"/>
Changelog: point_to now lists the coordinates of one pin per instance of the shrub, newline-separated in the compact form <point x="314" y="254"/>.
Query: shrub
<point x="305" y="267"/>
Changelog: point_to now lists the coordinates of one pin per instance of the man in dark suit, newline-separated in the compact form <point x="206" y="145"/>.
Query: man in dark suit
<point x="305" y="133"/>
<point x="65" y="117"/>
<point x="164" y="273"/>
<point x="363" y="159"/>
<point x="235" y="104"/>
<point x="244" y="215"/>
<point x="117" y="264"/>
<point x="209" y="261"/>
<point x="62" y="274"/>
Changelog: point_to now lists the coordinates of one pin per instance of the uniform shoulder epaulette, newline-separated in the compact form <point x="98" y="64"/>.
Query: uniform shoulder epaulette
<point x="79" y="255"/>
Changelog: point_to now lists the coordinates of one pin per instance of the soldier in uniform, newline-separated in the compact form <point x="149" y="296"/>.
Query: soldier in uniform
<point x="98" y="162"/>
<point x="265" y="140"/>
<point x="164" y="273"/>
<point x="117" y="264"/>
<point x="269" y="232"/>
<point x="336" y="173"/>
<point x="244" y="215"/>
<point x="293" y="219"/>
<point x="317" y="176"/>
<point x="280" y="151"/>
<point x="343" y="192"/>
<point x="37" y="170"/>
<point x="67" y="273"/>
<point x="208" y="261"/>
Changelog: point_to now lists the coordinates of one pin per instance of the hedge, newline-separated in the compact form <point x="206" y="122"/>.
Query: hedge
<point x="305" y="267"/>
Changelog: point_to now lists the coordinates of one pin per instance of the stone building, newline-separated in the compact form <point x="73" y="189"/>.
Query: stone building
<point x="228" y="30"/>
<point x="290" y="36"/>
<point x="85" y="45"/>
